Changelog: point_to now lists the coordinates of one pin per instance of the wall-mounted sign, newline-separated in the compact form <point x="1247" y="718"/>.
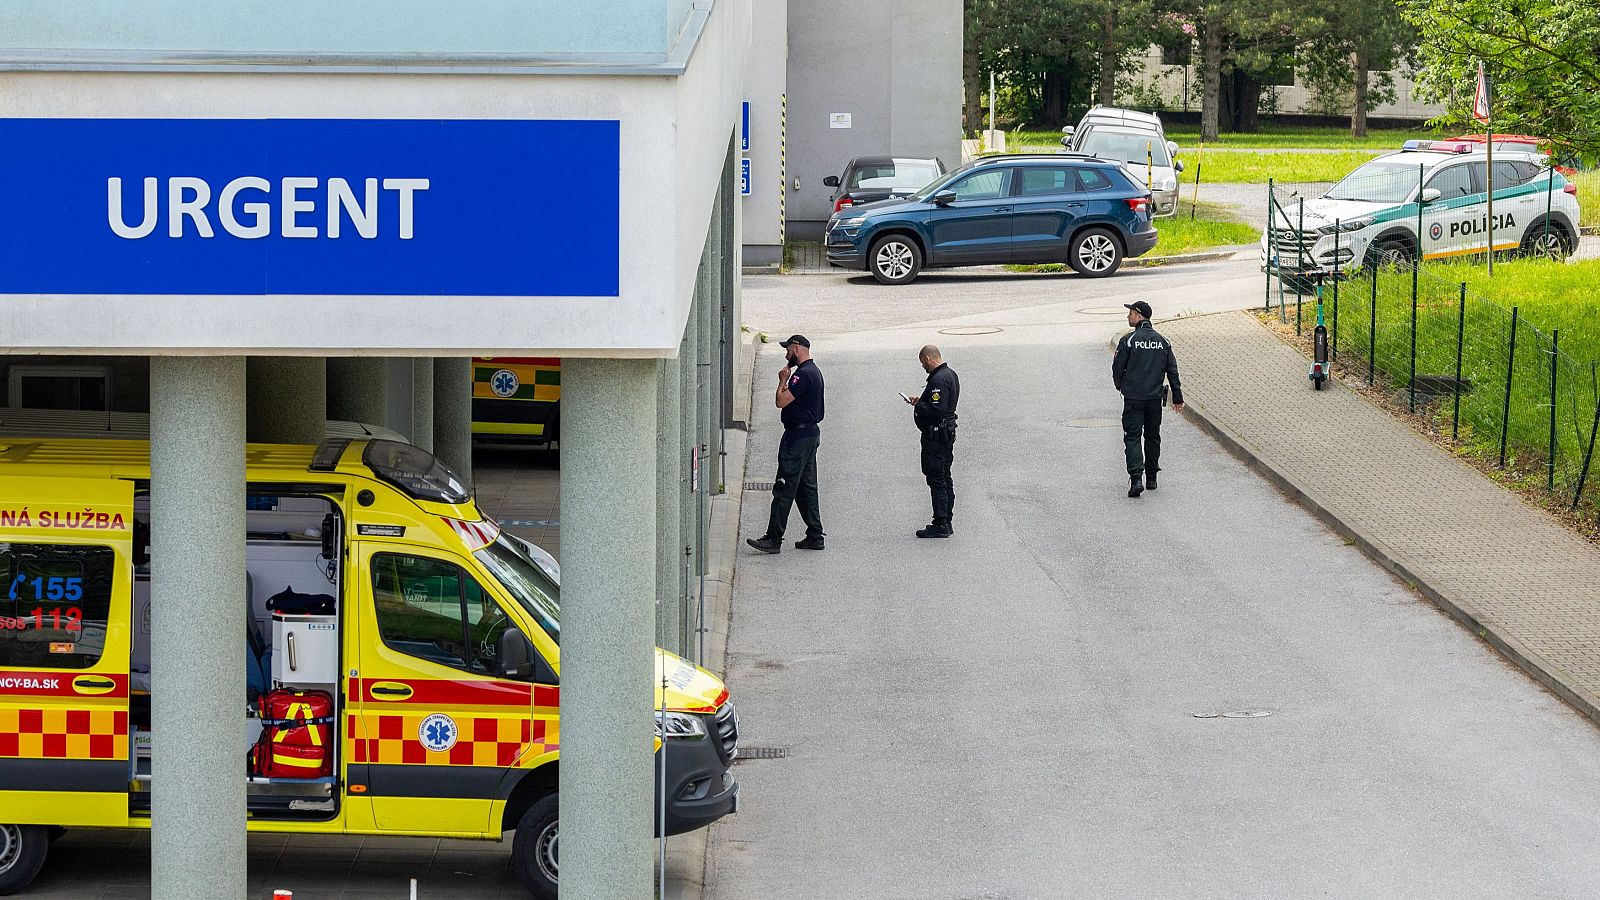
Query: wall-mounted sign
<point x="309" y="207"/>
<point x="744" y="177"/>
<point x="838" y="120"/>
<point x="744" y="127"/>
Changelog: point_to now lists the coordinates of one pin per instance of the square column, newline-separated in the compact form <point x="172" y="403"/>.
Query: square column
<point x="197" y="589"/>
<point x="608" y="628"/>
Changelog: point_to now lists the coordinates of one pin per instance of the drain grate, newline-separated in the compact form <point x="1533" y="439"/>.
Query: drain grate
<point x="758" y="485"/>
<point x="763" y="753"/>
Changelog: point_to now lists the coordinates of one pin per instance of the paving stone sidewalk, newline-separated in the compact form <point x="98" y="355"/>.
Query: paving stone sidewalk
<point x="1505" y="569"/>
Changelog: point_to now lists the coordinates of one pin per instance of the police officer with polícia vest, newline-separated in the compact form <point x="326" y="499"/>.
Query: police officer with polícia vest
<point x="1143" y="361"/>
<point x="935" y="415"/>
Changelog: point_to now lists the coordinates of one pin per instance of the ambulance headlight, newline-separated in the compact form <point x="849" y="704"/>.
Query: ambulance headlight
<point x="1346" y="225"/>
<point x="679" y="725"/>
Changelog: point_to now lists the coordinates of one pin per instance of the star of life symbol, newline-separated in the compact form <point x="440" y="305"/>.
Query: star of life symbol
<point x="438" y="733"/>
<point x="504" y="383"/>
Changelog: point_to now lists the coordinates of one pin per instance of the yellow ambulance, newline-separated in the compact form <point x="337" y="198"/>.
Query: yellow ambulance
<point x="404" y="657"/>
<point x="516" y="399"/>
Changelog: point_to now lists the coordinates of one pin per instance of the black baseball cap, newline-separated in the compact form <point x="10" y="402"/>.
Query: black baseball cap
<point x="798" y="339"/>
<point x="1140" y="307"/>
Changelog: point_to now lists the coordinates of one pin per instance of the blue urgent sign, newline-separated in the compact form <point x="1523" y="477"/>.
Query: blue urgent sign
<point x="364" y="207"/>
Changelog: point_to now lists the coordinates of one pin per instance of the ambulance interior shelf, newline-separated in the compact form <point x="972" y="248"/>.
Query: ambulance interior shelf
<point x="291" y="654"/>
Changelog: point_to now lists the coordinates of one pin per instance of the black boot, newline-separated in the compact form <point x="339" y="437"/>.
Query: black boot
<point x="1137" y="486"/>
<point x="812" y="542"/>
<point x="766" y="544"/>
<point x="1149" y="481"/>
<point x="938" y="529"/>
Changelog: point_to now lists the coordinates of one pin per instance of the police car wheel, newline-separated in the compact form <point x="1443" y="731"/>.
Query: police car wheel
<point x="1094" y="253"/>
<point x="22" y="852"/>
<point x="895" y="260"/>
<point x="1389" y="252"/>
<point x="533" y="850"/>
<point x="1545" y="243"/>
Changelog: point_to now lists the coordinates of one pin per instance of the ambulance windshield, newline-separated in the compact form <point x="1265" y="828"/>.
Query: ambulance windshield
<point x="525" y="581"/>
<point x="1381" y="181"/>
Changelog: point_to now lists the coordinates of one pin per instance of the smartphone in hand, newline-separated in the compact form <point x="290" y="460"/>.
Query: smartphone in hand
<point x="905" y="397"/>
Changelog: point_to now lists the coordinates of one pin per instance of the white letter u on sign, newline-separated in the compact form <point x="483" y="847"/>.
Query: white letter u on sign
<point x="114" y="210"/>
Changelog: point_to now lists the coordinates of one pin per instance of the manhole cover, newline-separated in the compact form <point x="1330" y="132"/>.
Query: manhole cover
<point x="1093" y="423"/>
<point x="758" y="485"/>
<point x="972" y="329"/>
<point x="763" y="753"/>
<point x="1103" y="311"/>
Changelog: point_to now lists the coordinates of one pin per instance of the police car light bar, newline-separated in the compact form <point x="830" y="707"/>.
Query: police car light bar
<point x="1438" y="146"/>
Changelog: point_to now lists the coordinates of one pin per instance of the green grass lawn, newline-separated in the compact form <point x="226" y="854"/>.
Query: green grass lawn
<point x="1550" y="297"/>
<point x="1249" y="167"/>
<point x="1588" y="197"/>
<point x="1270" y="137"/>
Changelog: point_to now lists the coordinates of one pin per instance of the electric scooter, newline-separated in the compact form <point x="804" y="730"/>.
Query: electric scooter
<point x="1319" y="344"/>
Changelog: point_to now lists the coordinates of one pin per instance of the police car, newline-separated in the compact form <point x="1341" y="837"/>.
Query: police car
<point x="1370" y="217"/>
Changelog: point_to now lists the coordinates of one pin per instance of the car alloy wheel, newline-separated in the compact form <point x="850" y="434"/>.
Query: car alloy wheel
<point x="893" y="260"/>
<point x="1097" y="253"/>
<point x="1549" y="245"/>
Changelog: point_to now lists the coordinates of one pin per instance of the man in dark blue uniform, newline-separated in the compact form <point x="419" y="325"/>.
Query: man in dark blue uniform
<point x="800" y="397"/>
<point x="1144" y="360"/>
<point x="935" y="415"/>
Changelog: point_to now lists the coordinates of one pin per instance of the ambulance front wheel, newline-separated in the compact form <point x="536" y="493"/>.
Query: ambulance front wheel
<point x="533" y="850"/>
<point x="22" y="852"/>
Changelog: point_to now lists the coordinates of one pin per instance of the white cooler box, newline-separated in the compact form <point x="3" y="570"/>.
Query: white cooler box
<point x="305" y="650"/>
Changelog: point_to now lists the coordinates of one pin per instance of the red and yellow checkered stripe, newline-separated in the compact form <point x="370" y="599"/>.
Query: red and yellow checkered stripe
<point x="483" y="741"/>
<point x="63" y="733"/>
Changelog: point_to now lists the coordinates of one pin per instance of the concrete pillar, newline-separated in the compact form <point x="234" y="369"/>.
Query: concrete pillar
<point x="422" y="402"/>
<point x="608" y="488"/>
<point x="197" y="430"/>
<point x="287" y="399"/>
<point x="358" y="389"/>
<point x="706" y="356"/>
<point x="711" y="354"/>
<point x="688" y="436"/>
<point x="397" y="394"/>
<point x="672" y="632"/>
<point x="452" y="414"/>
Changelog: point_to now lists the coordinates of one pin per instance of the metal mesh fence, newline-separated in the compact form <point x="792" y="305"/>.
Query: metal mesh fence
<point x="1466" y="368"/>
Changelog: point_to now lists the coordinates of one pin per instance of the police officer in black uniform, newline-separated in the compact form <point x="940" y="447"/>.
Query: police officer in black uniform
<point x="1144" y="359"/>
<point x="800" y="397"/>
<point x="935" y="415"/>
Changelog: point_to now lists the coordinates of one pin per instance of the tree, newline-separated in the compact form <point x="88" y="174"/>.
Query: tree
<point x="1362" y="36"/>
<point x="1541" y="55"/>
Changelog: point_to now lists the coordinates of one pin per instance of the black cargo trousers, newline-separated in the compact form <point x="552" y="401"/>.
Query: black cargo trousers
<point x="796" y="482"/>
<point x="1142" y="419"/>
<point x="938" y="453"/>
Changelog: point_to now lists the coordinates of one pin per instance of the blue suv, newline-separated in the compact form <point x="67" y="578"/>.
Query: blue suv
<point x="1001" y="209"/>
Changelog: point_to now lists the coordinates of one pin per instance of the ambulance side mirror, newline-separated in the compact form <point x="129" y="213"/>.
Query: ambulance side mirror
<point x="516" y="655"/>
<point x="1430" y="194"/>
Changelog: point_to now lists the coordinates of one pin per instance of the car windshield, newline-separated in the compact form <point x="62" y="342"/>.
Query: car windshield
<point x="525" y="581"/>
<point x="895" y="175"/>
<point x="1380" y="181"/>
<point x="1126" y="147"/>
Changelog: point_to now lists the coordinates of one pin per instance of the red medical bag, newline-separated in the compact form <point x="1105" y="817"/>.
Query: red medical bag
<point x="296" y="735"/>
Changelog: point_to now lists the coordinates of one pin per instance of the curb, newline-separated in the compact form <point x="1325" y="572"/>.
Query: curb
<point x="1144" y="262"/>
<point x="1528" y="661"/>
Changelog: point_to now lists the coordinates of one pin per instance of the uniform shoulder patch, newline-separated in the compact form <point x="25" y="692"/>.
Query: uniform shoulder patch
<point x="934" y="396"/>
